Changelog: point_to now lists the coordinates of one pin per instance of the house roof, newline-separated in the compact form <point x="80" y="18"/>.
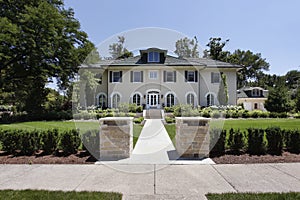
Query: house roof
<point x="246" y="92"/>
<point x="169" y="61"/>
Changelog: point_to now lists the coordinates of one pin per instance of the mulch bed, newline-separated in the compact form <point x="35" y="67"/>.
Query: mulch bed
<point x="83" y="157"/>
<point x="286" y="157"/>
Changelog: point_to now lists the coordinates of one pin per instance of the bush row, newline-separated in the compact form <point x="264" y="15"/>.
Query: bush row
<point x="211" y="112"/>
<point x="255" y="141"/>
<point x="23" y="116"/>
<point x="26" y="142"/>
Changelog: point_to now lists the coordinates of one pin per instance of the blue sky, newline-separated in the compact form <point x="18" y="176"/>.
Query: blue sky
<point x="271" y="28"/>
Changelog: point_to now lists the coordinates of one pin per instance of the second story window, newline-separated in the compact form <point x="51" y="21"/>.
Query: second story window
<point x="191" y="76"/>
<point x="169" y="76"/>
<point x="255" y="92"/>
<point x="153" y="57"/>
<point x="215" y="77"/>
<point x="136" y="76"/>
<point x="153" y="75"/>
<point x="115" y="76"/>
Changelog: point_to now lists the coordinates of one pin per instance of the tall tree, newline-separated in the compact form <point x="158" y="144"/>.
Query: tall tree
<point x="252" y="65"/>
<point x="187" y="48"/>
<point x="278" y="99"/>
<point x="223" y="90"/>
<point x="39" y="40"/>
<point x="215" y="50"/>
<point x="118" y="51"/>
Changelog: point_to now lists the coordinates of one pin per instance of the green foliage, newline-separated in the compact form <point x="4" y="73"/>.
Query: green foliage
<point x="236" y="140"/>
<point x="185" y="110"/>
<point x="118" y="51"/>
<point x="49" y="141"/>
<point x="39" y="40"/>
<point x="293" y="141"/>
<point x="187" y="48"/>
<point x="298" y="100"/>
<point x="278" y="100"/>
<point x="169" y="120"/>
<point x="138" y="120"/>
<point x="275" y="140"/>
<point x="218" y="141"/>
<point x="223" y="90"/>
<point x="91" y="142"/>
<point x="256" y="143"/>
<point x="252" y="196"/>
<point x="169" y="109"/>
<point x="70" y="141"/>
<point x="215" y="50"/>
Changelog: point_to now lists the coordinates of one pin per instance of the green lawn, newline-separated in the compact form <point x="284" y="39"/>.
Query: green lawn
<point x="137" y="129"/>
<point x="49" y="195"/>
<point x="250" y="196"/>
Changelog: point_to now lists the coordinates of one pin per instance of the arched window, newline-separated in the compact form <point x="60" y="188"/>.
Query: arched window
<point x="116" y="100"/>
<point x="210" y="99"/>
<point x="136" y="99"/>
<point x="102" y="100"/>
<point x="190" y="99"/>
<point x="170" y="101"/>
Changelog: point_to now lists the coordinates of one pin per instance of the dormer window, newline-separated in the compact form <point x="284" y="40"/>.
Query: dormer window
<point x="255" y="92"/>
<point x="153" y="56"/>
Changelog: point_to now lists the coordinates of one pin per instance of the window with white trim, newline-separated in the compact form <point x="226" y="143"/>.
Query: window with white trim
<point x="170" y="100"/>
<point x="137" y="77"/>
<point x="136" y="99"/>
<point x="191" y="76"/>
<point x="116" y="100"/>
<point x="190" y="99"/>
<point x="169" y="76"/>
<point x="210" y="100"/>
<point x="153" y="57"/>
<point x="117" y="77"/>
<point x="153" y="75"/>
<point x="215" y="77"/>
<point x="102" y="101"/>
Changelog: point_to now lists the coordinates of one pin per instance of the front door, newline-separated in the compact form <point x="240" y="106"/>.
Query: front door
<point x="153" y="100"/>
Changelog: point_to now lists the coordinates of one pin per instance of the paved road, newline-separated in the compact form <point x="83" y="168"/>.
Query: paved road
<point x="160" y="182"/>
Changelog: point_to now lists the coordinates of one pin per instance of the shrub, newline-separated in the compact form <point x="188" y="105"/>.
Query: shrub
<point x="170" y="120"/>
<point x="236" y="141"/>
<point x="10" y="140"/>
<point x="217" y="145"/>
<point x="91" y="142"/>
<point x="50" y="139"/>
<point x="169" y="109"/>
<point x="293" y="141"/>
<point x="29" y="141"/>
<point x="274" y="137"/>
<point x="138" y="120"/>
<point x="245" y="114"/>
<point x="216" y="114"/>
<point x="70" y="141"/>
<point x="256" y="144"/>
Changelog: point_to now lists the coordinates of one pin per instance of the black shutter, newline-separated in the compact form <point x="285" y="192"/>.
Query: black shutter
<point x="211" y="77"/>
<point x="185" y="76"/>
<point x="120" y="80"/>
<point x="161" y="57"/>
<point x="131" y="76"/>
<point x="144" y="58"/>
<point x="196" y="76"/>
<point x="174" y="76"/>
<point x="110" y="76"/>
<point x="165" y="76"/>
<point x="142" y="76"/>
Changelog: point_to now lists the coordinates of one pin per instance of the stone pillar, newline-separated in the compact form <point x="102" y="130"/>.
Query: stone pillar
<point x="116" y="138"/>
<point x="192" y="137"/>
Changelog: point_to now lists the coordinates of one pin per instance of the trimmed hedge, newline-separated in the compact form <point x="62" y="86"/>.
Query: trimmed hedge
<point x="26" y="142"/>
<point x="272" y="140"/>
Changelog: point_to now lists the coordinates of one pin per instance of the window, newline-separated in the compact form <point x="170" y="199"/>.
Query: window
<point x="255" y="106"/>
<point x="190" y="99"/>
<point x="136" y="76"/>
<point x="169" y="76"/>
<point x="116" y="100"/>
<point x="136" y="99"/>
<point x="255" y="92"/>
<point x="215" y="77"/>
<point x="153" y="75"/>
<point x="102" y="101"/>
<point x="170" y="100"/>
<point x="153" y="57"/>
<point x="210" y="99"/>
<point x="115" y="77"/>
<point x="191" y="76"/>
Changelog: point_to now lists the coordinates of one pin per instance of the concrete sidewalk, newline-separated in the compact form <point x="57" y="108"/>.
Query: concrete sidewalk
<point x="169" y="182"/>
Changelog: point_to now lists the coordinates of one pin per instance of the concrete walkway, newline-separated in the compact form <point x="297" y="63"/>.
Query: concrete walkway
<point x="170" y="182"/>
<point x="154" y="146"/>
